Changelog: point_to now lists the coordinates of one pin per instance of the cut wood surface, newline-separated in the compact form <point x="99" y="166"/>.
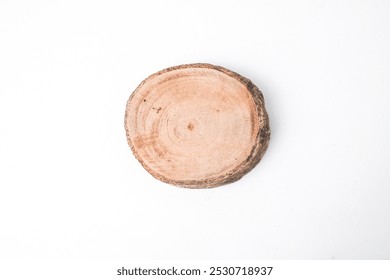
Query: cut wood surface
<point x="197" y="125"/>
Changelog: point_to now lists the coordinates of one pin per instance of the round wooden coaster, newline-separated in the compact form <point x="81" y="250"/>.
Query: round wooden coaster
<point x="197" y="125"/>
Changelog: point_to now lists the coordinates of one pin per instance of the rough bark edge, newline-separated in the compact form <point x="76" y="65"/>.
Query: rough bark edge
<point x="261" y="141"/>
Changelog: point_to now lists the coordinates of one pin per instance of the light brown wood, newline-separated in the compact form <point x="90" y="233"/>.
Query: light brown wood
<point x="197" y="125"/>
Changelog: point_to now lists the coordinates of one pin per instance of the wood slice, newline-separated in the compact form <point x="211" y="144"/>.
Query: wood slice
<point x="197" y="125"/>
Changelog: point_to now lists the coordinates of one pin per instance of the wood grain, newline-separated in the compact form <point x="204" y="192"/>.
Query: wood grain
<point x="197" y="125"/>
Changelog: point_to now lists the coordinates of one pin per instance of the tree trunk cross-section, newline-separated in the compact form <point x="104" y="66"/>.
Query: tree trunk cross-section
<point x="197" y="125"/>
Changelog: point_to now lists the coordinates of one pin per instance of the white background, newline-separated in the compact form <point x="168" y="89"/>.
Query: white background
<point x="70" y="187"/>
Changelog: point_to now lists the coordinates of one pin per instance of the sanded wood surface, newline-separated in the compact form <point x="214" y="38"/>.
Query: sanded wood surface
<point x="197" y="125"/>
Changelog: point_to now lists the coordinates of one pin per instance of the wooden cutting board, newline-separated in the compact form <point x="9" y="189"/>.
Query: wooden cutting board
<point x="197" y="125"/>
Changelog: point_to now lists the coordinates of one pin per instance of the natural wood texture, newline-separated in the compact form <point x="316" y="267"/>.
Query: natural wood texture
<point x="197" y="125"/>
